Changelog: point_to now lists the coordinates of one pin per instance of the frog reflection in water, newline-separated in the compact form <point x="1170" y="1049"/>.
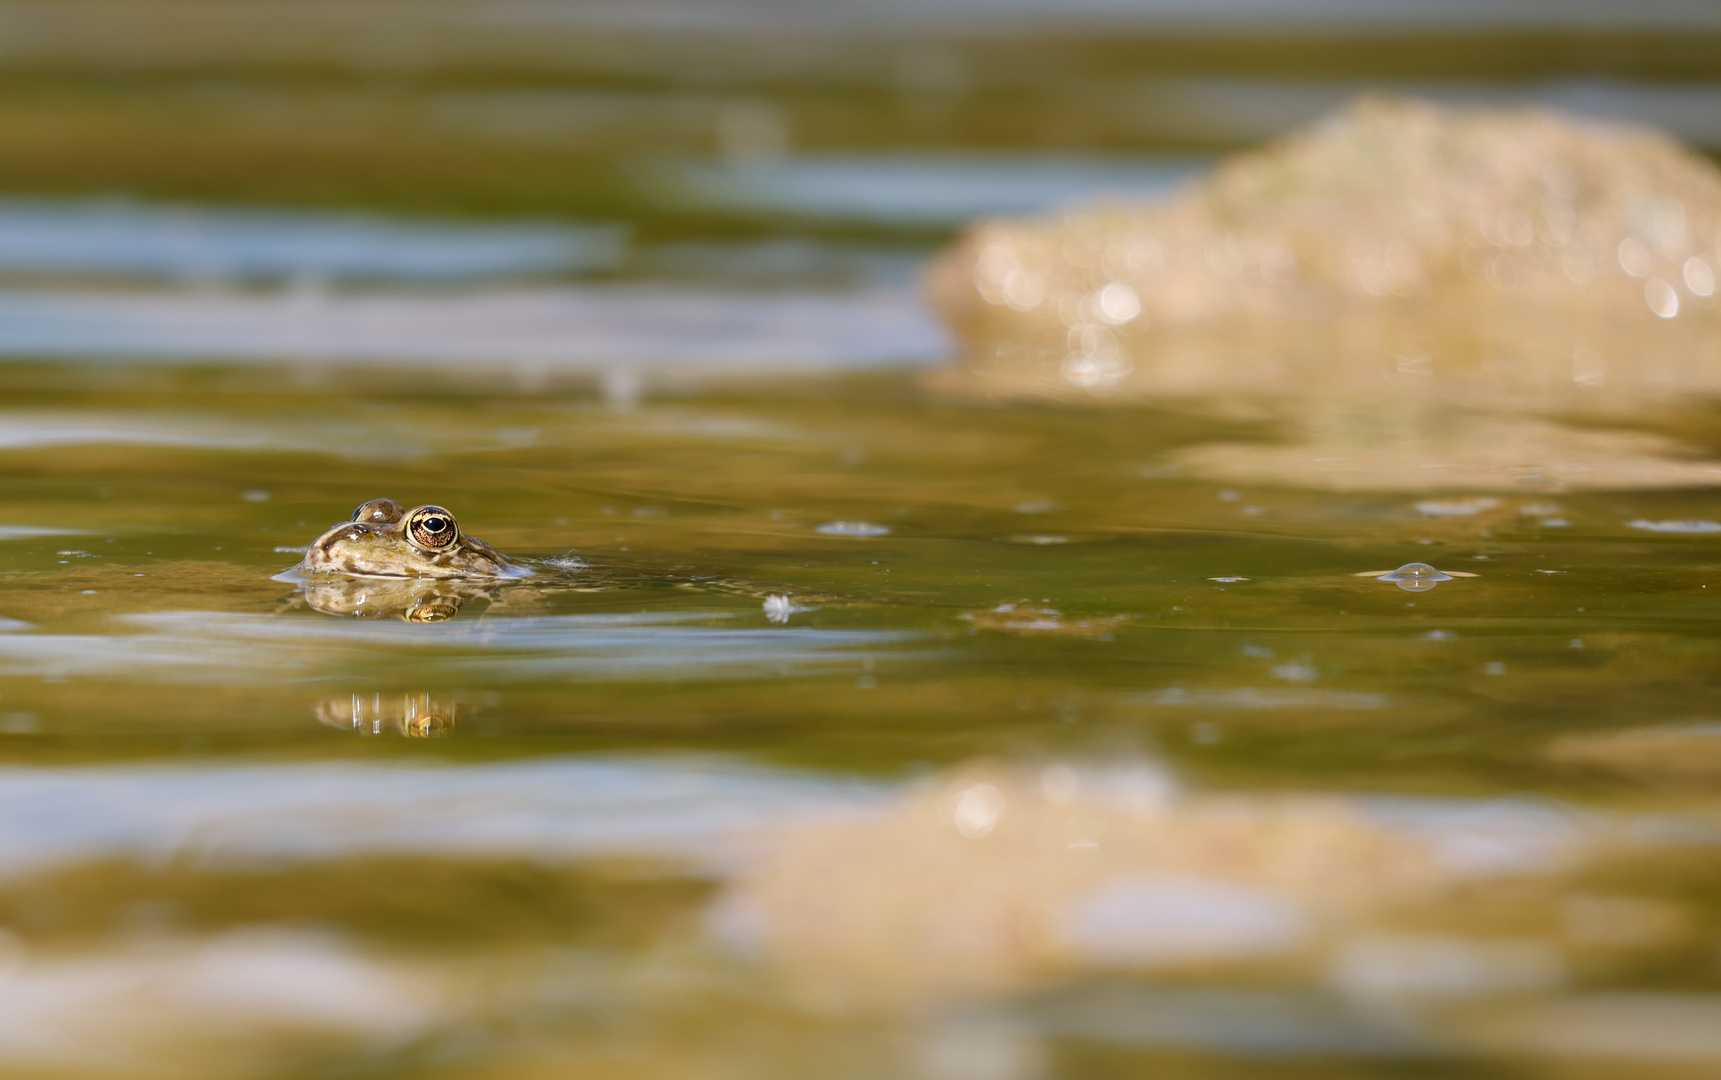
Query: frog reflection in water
<point x="422" y="600"/>
<point x="416" y="716"/>
<point x="391" y="561"/>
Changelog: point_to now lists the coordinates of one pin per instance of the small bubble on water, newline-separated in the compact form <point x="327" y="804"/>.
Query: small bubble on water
<point x="1414" y="577"/>
<point x="1575" y="643"/>
<point x="1693" y="527"/>
<point x="852" y="528"/>
<point x="256" y="495"/>
<point x="1296" y="672"/>
<point x="1493" y="667"/>
<point x="1037" y="506"/>
<point x="1455" y="507"/>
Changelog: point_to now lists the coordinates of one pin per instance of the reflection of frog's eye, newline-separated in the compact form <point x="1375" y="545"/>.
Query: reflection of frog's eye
<point x="426" y="727"/>
<point x="435" y="609"/>
<point x="431" y="528"/>
<point x="378" y="512"/>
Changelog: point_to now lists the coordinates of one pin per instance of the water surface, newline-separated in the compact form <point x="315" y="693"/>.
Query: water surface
<point x="610" y="774"/>
<point x="844" y="729"/>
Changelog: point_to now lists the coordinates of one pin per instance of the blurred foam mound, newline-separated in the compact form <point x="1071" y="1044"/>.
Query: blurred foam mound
<point x="1485" y="257"/>
<point x="1397" y="261"/>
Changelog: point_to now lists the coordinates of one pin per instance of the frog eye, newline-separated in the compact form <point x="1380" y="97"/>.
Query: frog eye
<point x="431" y="528"/>
<point x="378" y="512"/>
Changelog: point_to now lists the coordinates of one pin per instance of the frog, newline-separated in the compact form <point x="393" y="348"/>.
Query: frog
<point x="382" y="539"/>
<point x="417" y="565"/>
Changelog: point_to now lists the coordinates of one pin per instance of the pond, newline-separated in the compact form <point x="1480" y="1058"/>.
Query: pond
<point x="843" y="725"/>
<point x="556" y="827"/>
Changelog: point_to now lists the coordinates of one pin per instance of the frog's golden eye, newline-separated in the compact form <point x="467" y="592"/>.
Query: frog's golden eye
<point x="431" y="528"/>
<point x="378" y="512"/>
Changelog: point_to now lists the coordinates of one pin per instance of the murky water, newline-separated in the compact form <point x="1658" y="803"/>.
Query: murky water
<point x="1253" y="807"/>
<point x="843" y="728"/>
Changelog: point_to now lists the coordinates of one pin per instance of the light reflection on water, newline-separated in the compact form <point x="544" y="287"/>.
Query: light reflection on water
<point x="697" y="813"/>
<point x="922" y="190"/>
<point x="119" y="239"/>
<point x="493" y="334"/>
<point x="213" y="648"/>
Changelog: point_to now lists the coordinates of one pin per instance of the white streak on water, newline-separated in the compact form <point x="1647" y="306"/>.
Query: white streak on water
<point x="917" y="189"/>
<point x="687" y="810"/>
<point x="1695" y="528"/>
<point x="119" y="238"/>
<point x="210" y="648"/>
<point x="585" y="329"/>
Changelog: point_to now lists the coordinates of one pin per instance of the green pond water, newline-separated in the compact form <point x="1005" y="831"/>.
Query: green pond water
<point x="202" y="770"/>
<point x="843" y="730"/>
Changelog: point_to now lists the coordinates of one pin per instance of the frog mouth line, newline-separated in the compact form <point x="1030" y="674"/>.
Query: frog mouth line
<point x="296" y="576"/>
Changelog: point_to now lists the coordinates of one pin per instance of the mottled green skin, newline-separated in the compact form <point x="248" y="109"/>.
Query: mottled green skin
<point x="375" y="546"/>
